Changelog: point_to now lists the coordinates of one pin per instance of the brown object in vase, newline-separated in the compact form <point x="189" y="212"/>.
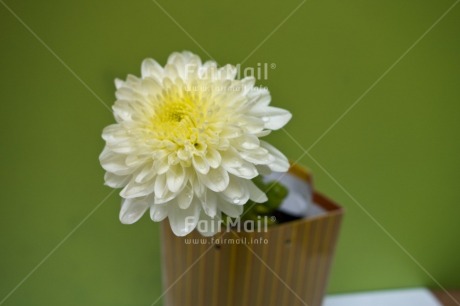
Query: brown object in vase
<point x="291" y="269"/>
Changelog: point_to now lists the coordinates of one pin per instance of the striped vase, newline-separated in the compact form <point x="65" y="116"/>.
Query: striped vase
<point x="287" y="265"/>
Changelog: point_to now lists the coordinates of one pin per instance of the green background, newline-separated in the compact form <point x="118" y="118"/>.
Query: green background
<point x="395" y="154"/>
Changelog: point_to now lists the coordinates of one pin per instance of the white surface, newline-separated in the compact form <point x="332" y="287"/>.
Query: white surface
<point x="400" y="297"/>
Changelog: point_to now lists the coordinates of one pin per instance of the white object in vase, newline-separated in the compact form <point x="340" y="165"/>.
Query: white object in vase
<point x="300" y="197"/>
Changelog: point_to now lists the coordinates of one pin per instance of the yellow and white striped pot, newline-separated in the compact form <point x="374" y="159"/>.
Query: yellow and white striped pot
<point x="287" y="265"/>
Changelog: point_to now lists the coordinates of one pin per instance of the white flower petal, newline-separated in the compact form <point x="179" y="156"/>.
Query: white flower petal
<point x="209" y="226"/>
<point x="252" y="125"/>
<point x="208" y="71"/>
<point x="168" y="196"/>
<point x="135" y="160"/>
<point x="145" y="174"/>
<point x="190" y="57"/>
<point x="216" y="179"/>
<point x="121" y="113"/>
<point x="213" y="158"/>
<point x="135" y="190"/>
<point x="150" y="68"/>
<point x="171" y="72"/>
<point x="231" y="210"/>
<point x="228" y="72"/>
<point x="230" y="132"/>
<point x="160" y="186"/>
<point x="198" y="188"/>
<point x="132" y="210"/>
<point x="185" y="197"/>
<point x="247" y="142"/>
<point x="246" y="170"/>
<point x="173" y="159"/>
<point x="247" y="84"/>
<point x="176" y="178"/>
<point x="256" y="194"/>
<point x="231" y="158"/>
<point x="183" y="221"/>
<point x="184" y="154"/>
<point x="125" y="147"/>
<point x="114" y="133"/>
<point x="263" y="133"/>
<point x="209" y="203"/>
<point x="118" y="83"/>
<point x="158" y="212"/>
<point x="161" y="165"/>
<point x="280" y="163"/>
<point x="151" y="87"/>
<point x="176" y="59"/>
<point x="259" y="98"/>
<point x="236" y="192"/>
<point x="115" y="181"/>
<point x="114" y="163"/>
<point x="274" y="117"/>
<point x="257" y="156"/>
<point x="126" y="93"/>
<point x="234" y="164"/>
<point x="201" y="165"/>
<point x="187" y="64"/>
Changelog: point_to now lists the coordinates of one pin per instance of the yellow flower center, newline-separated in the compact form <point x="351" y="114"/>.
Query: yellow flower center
<point x="178" y="118"/>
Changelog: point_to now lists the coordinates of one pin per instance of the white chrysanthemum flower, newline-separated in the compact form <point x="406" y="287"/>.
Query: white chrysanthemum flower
<point x="186" y="142"/>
